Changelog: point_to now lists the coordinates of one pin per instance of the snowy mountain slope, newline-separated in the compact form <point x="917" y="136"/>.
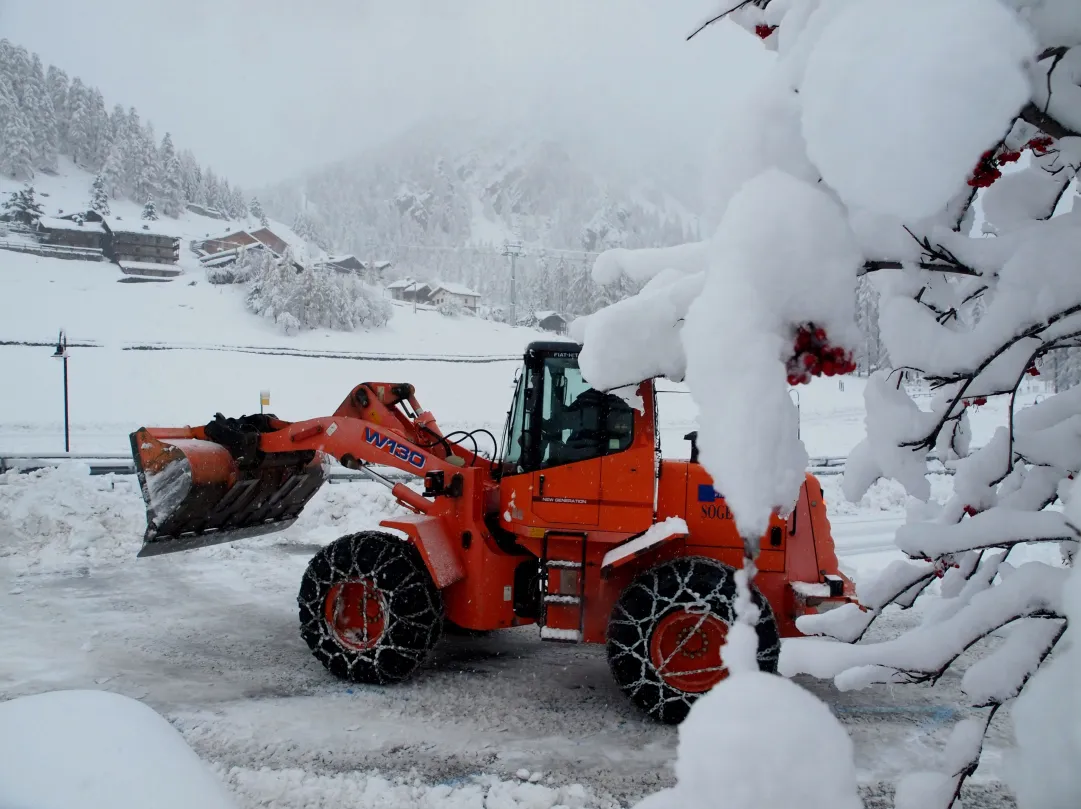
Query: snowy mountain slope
<point x="425" y="188"/>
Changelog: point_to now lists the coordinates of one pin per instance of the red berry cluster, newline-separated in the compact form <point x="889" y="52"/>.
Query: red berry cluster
<point x="978" y="401"/>
<point x="1033" y="371"/>
<point x="1041" y="145"/>
<point x="986" y="171"/>
<point x="764" y="31"/>
<point x="814" y="356"/>
<point x="971" y="511"/>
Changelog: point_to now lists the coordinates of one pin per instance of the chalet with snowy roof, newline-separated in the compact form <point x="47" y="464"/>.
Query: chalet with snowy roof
<point x="242" y="238"/>
<point x="78" y="234"/>
<point x="546" y="320"/>
<point x="446" y="292"/>
<point x="135" y="249"/>
<point x="370" y="271"/>
<point x="409" y="289"/>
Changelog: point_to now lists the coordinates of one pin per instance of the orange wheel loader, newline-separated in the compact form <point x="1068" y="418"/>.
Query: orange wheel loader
<point x="576" y="525"/>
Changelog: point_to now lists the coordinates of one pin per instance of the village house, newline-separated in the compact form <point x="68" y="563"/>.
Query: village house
<point x="136" y="252"/>
<point x="546" y="320"/>
<point x="454" y="294"/>
<point x="409" y="289"/>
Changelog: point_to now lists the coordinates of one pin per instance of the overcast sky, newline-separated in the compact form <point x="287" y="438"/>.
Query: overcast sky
<point x="262" y="90"/>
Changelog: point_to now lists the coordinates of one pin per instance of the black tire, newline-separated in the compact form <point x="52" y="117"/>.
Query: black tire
<point x="411" y="614"/>
<point x="658" y="593"/>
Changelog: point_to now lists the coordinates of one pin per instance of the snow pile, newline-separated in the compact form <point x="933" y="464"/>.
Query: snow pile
<point x="62" y="518"/>
<point x="98" y="750"/>
<point x="758" y="741"/>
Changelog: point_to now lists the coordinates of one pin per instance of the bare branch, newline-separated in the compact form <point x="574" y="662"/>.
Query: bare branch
<point x="931" y="266"/>
<point x="1046" y="123"/>
<point x="722" y="15"/>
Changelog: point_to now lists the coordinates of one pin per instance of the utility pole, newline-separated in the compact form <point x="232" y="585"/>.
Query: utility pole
<point x="513" y="249"/>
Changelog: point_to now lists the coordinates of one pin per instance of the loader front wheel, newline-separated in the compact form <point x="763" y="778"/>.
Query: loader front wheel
<point x="667" y="629"/>
<point x="369" y="610"/>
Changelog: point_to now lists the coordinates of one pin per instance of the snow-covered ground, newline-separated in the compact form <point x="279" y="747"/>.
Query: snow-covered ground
<point x="209" y="639"/>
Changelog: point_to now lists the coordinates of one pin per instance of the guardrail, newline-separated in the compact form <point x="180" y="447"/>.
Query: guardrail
<point x="106" y="463"/>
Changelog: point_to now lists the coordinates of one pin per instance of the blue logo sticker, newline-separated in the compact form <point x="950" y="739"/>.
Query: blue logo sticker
<point x="707" y="494"/>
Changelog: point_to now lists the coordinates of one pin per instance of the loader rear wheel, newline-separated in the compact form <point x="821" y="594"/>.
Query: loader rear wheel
<point x="666" y="633"/>
<point x="369" y="610"/>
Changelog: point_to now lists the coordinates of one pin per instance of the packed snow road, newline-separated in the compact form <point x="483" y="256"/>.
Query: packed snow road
<point x="209" y="638"/>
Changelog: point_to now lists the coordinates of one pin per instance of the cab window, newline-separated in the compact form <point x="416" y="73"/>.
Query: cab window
<point x="576" y="422"/>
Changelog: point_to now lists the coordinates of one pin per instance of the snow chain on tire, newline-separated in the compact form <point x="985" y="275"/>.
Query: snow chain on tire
<point x="693" y="584"/>
<point x="411" y="608"/>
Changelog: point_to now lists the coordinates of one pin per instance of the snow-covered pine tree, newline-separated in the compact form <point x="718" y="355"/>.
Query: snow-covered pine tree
<point x="256" y="210"/>
<point x="23" y="206"/>
<point x="17" y="159"/>
<point x="99" y="195"/>
<point x="825" y="176"/>
<point x="238" y="209"/>
<point x="150" y="209"/>
<point x="100" y="131"/>
<point x="147" y="162"/>
<point x="172" y="191"/>
<point x="80" y="124"/>
<point x="112" y="173"/>
<point x="56" y="81"/>
<point x="191" y="178"/>
<point x="42" y="118"/>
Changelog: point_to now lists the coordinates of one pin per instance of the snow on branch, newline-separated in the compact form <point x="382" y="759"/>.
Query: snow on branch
<point x="967" y="233"/>
<point x="923" y="654"/>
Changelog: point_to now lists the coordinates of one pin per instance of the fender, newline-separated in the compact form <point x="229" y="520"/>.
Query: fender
<point x="429" y="535"/>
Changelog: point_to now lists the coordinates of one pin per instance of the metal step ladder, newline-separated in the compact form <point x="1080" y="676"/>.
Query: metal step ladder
<point x="563" y="558"/>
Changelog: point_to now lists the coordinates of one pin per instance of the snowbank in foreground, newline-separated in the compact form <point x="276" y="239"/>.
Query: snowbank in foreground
<point x="98" y="750"/>
<point x="761" y="742"/>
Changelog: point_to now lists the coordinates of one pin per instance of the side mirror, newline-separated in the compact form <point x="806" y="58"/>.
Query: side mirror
<point x="693" y="438"/>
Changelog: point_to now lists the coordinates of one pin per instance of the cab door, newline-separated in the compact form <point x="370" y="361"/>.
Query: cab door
<point x="567" y="484"/>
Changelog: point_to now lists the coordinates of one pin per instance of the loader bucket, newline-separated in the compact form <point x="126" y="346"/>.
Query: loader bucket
<point x="197" y="494"/>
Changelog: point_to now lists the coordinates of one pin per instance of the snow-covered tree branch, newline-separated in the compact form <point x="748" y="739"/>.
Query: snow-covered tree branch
<point x="931" y="151"/>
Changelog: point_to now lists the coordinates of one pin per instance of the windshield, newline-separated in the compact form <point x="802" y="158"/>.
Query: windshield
<point x="512" y="455"/>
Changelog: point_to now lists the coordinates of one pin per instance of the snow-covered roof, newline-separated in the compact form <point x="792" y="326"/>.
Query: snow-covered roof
<point x="455" y="289"/>
<point x="544" y="315"/>
<point x="403" y="283"/>
<point x="66" y="224"/>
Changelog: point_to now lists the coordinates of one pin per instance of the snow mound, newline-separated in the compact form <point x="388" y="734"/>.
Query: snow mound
<point x="98" y="750"/>
<point x="759" y="741"/>
<point x="63" y="518"/>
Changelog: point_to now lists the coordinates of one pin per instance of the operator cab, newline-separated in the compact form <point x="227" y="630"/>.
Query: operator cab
<point x="556" y="418"/>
